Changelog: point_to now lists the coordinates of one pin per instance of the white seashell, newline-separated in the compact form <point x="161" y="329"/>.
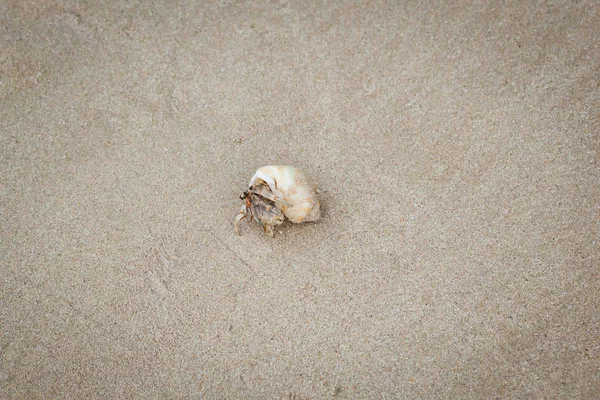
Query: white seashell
<point x="277" y="192"/>
<point x="300" y="202"/>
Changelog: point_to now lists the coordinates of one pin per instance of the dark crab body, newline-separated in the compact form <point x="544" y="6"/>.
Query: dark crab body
<point x="261" y="210"/>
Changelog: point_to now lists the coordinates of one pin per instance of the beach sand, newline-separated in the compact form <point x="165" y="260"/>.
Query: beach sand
<point x="456" y="150"/>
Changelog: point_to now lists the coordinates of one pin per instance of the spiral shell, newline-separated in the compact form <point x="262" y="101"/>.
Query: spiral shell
<point x="291" y="185"/>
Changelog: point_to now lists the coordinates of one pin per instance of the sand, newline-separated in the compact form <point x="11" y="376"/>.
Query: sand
<point x="457" y="152"/>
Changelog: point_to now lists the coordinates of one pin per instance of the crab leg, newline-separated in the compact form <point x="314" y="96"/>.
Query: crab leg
<point x="269" y="195"/>
<point x="239" y="218"/>
<point x="269" y="181"/>
<point x="268" y="229"/>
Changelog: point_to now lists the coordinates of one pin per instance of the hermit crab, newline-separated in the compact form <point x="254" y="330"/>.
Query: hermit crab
<point x="277" y="192"/>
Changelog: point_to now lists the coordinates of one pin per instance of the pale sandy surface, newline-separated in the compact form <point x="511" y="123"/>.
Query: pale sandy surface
<point x="457" y="153"/>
